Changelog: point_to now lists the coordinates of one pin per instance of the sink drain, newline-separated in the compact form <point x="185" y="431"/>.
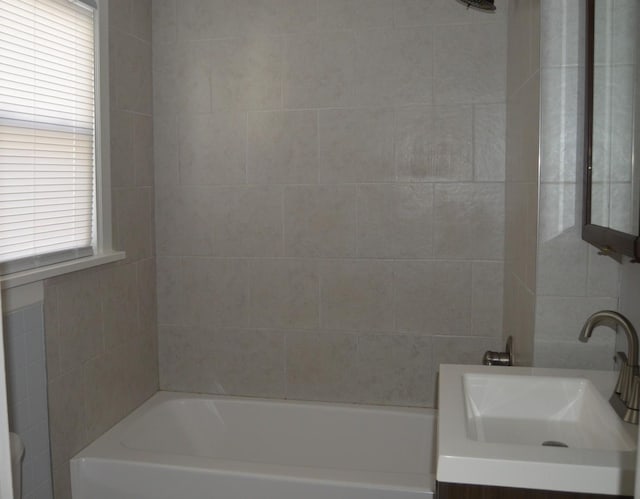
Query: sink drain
<point x="554" y="443"/>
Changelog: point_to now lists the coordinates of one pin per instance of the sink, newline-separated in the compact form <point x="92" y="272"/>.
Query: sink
<point x="533" y="428"/>
<point x="541" y="410"/>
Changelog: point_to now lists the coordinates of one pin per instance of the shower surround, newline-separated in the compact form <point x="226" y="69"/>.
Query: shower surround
<point x="329" y="184"/>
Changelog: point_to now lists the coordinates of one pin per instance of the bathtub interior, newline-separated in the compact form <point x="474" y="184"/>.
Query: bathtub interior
<point x="329" y="436"/>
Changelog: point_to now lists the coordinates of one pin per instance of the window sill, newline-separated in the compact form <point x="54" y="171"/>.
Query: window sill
<point x="42" y="273"/>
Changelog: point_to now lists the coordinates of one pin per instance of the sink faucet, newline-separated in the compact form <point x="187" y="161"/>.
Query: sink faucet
<point x="626" y="397"/>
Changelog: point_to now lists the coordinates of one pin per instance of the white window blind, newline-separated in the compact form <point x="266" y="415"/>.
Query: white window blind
<point x="47" y="132"/>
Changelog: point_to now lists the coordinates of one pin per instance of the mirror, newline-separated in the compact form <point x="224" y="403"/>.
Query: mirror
<point x="612" y="127"/>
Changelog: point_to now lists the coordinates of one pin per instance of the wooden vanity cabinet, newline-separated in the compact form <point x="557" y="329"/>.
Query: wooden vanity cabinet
<point x="468" y="491"/>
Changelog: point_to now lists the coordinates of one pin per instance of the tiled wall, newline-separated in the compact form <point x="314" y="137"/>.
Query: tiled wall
<point x="329" y="194"/>
<point x="27" y="396"/>
<point x="629" y="296"/>
<point x="573" y="281"/>
<point x="521" y="189"/>
<point x="100" y="324"/>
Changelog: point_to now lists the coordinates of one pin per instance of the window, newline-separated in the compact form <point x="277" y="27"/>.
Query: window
<point x="50" y="203"/>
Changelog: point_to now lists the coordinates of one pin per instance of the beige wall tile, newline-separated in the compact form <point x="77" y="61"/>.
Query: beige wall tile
<point x="434" y="143"/>
<point x="176" y="236"/>
<point x="52" y="329"/>
<point x="469" y="221"/>
<point x="143" y="150"/>
<point x="489" y="135"/>
<point x="604" y="275"/>
<point x="523" y="133"/>
<point x="140" y="15"/>
<point x="130" y="73"/>
<point x="67" y="417"/>
<point x="165" y="150"/>
<point x="520" y="45"/>
<point x="519" y="319"/>
<point x="630" y="291"/>
<point x="562" y="270"/>
<point x="333" y="105"/>
<point x="140" y="370"/>
<point x="395" y="221"/>
<point x="185" y="358"/>
<point x="422" y="307"/>
<point x="223" y="361"/>
<point x="166" y="55"/>
<point x="164" y="27"/>
<point x="171" y="298"/>
<point x="147" y="296"/>
<point x="319" y="70"/>
<point x="213" y="148"/>
<point x="249" y="363"/>
<point x="284" y="294"/>
<point x="467" y="71"/>
<point x="133" y="231"/>
<point x="122" y="171"/>
<point x="104" y="385"/>
<point x="395" y="369"/>
<point x="355" y="14"/>
<point x="574" y="355"/>
<point x="216" y="292"/>
<point x="356" y="295"/>
<point x="246" y="73"/>
<point x="321" y="366"/>
<point x="80" y="320"/>
<point x="394" y="67"/>
<point x="199" y="19"/>
<point x="487" y="298"/>
<point x="246" y="221"/>
<point x="119" y="292"/>
<point x="185" y="84"/>
<point x="283" y="147"/>
<point x="276" y="16"/>
<point x="120" y="15"/>
<point x="356" y="145"/>
<point x="560" y="318"/>
<point x="320" y="221"/>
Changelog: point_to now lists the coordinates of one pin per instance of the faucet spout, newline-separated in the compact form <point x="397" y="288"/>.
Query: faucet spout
<point x="626" y="397"/>
<point x="613" y="319"/>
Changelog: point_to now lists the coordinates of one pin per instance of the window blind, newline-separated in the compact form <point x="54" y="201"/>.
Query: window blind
<point x="47" y="132"/>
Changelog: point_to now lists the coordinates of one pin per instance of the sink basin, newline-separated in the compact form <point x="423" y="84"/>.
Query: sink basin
<point x="493" y="422"/>
<point x="541" y="410"/>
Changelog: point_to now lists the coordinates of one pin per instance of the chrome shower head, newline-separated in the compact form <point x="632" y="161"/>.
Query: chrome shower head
<point x="480" y="4"/>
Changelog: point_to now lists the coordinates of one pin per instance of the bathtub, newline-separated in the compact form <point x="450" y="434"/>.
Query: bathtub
<point x="184" y="446"/>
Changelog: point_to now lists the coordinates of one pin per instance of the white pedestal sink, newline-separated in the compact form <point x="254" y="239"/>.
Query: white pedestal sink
<point x="550" y="429"/>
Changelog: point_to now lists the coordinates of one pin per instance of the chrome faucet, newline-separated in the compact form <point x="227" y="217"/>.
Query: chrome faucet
<point x="626" y="397"/>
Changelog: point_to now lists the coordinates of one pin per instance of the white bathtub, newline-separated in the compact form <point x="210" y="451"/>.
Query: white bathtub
<point x="183" y="446"/>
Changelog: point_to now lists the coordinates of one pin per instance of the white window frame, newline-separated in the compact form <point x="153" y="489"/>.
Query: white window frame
<point x="103" y="251"/>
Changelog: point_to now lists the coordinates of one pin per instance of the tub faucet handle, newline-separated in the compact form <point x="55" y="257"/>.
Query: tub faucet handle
<point x="505" y="358"/>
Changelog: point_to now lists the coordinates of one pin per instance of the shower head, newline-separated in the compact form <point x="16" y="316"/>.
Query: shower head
<point x="480" y="4"/>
